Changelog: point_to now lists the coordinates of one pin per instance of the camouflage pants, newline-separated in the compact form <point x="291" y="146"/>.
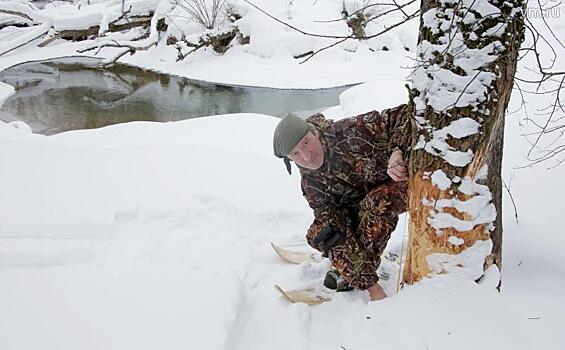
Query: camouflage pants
<point x="358" y="256"/>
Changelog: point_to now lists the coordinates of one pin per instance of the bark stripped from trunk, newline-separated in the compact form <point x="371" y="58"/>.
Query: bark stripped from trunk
<point x="467" y="55"/>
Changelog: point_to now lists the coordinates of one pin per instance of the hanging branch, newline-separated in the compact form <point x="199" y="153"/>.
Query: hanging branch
<point x="548" y="82"/>
<point x="512" y="199"/>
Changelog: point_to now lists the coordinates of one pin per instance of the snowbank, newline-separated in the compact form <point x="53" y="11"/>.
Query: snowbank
<point x="147" y="235"/>
<point x="5" y="92"/>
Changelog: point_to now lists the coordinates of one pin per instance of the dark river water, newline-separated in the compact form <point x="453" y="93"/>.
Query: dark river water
<point x="75" y="93"/>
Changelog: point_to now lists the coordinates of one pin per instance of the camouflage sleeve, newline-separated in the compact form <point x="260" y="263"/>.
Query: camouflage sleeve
<point x="387" y="128"/>
<point x="396" y="119"/>
<point x="325" y="213"/>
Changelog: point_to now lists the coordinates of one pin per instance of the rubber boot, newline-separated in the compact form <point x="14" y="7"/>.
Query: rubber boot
<point x="333" y="280"/>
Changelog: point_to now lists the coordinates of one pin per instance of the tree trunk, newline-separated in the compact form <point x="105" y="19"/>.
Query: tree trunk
<point x="467" y="55"/>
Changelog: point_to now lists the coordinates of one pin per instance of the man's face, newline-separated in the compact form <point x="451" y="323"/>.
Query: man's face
<point x="308" y="153"/>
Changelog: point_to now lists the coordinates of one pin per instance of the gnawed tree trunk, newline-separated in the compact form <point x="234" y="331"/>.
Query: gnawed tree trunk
<point x="467" y="54"/>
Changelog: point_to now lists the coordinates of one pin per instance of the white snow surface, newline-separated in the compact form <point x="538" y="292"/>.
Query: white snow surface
<point x="438" y="144"/>
<point x="5" y="92"/>
<point x="468" y="264"/>
<point x="455" y="240"/>
<point x="479" y="208"/>
<point x="146" y="235"/>
<point x="440" y="179"/>
<point x="156" y="235"/>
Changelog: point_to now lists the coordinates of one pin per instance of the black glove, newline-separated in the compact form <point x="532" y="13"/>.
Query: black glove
<point x="327" y="238"/>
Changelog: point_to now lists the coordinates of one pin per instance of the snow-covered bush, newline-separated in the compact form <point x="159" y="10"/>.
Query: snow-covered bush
<point x="201" y="24"/>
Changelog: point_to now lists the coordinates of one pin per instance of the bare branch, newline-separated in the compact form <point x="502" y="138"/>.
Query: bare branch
<point x="412" y="16"/>
<point x="34" y="33"/>
<point x="325" y="48"/>
<point x="16" y="13"/>
<point x="547" y="25"/>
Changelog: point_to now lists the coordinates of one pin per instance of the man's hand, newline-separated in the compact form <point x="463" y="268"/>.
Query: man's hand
<point x="327" y="238"/>
<point x="397" y="167"/>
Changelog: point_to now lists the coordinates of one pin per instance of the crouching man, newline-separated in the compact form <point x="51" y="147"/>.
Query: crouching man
<point x="353" y="177"/>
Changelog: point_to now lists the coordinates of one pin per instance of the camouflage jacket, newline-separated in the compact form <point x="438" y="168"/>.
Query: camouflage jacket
<point x="357" y="150"/>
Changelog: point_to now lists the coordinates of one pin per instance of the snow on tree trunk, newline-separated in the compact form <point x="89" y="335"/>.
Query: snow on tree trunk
<point x="467" y="54"/>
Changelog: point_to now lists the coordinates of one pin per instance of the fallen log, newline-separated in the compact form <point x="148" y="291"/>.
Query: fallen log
<point x="93" y="32"/>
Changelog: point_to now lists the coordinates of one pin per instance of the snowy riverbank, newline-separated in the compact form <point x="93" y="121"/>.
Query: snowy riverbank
<point x="267" y="61"/>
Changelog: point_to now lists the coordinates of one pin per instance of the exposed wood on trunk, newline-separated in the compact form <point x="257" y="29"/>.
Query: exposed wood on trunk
<point x="427" y="241"/>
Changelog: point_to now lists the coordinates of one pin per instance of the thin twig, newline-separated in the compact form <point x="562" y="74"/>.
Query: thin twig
<point x="511" y="198"/>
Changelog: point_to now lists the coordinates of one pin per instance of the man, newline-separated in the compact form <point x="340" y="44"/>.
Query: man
<point x="353" y="177"/>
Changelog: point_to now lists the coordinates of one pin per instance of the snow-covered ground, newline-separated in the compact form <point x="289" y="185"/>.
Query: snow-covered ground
<point x="149" y="235"/>
<point x="5" y="92"/>
<point x="156" y="236"/>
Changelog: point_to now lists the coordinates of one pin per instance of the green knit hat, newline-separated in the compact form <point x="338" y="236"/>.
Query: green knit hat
<point x="290" y="130"/>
